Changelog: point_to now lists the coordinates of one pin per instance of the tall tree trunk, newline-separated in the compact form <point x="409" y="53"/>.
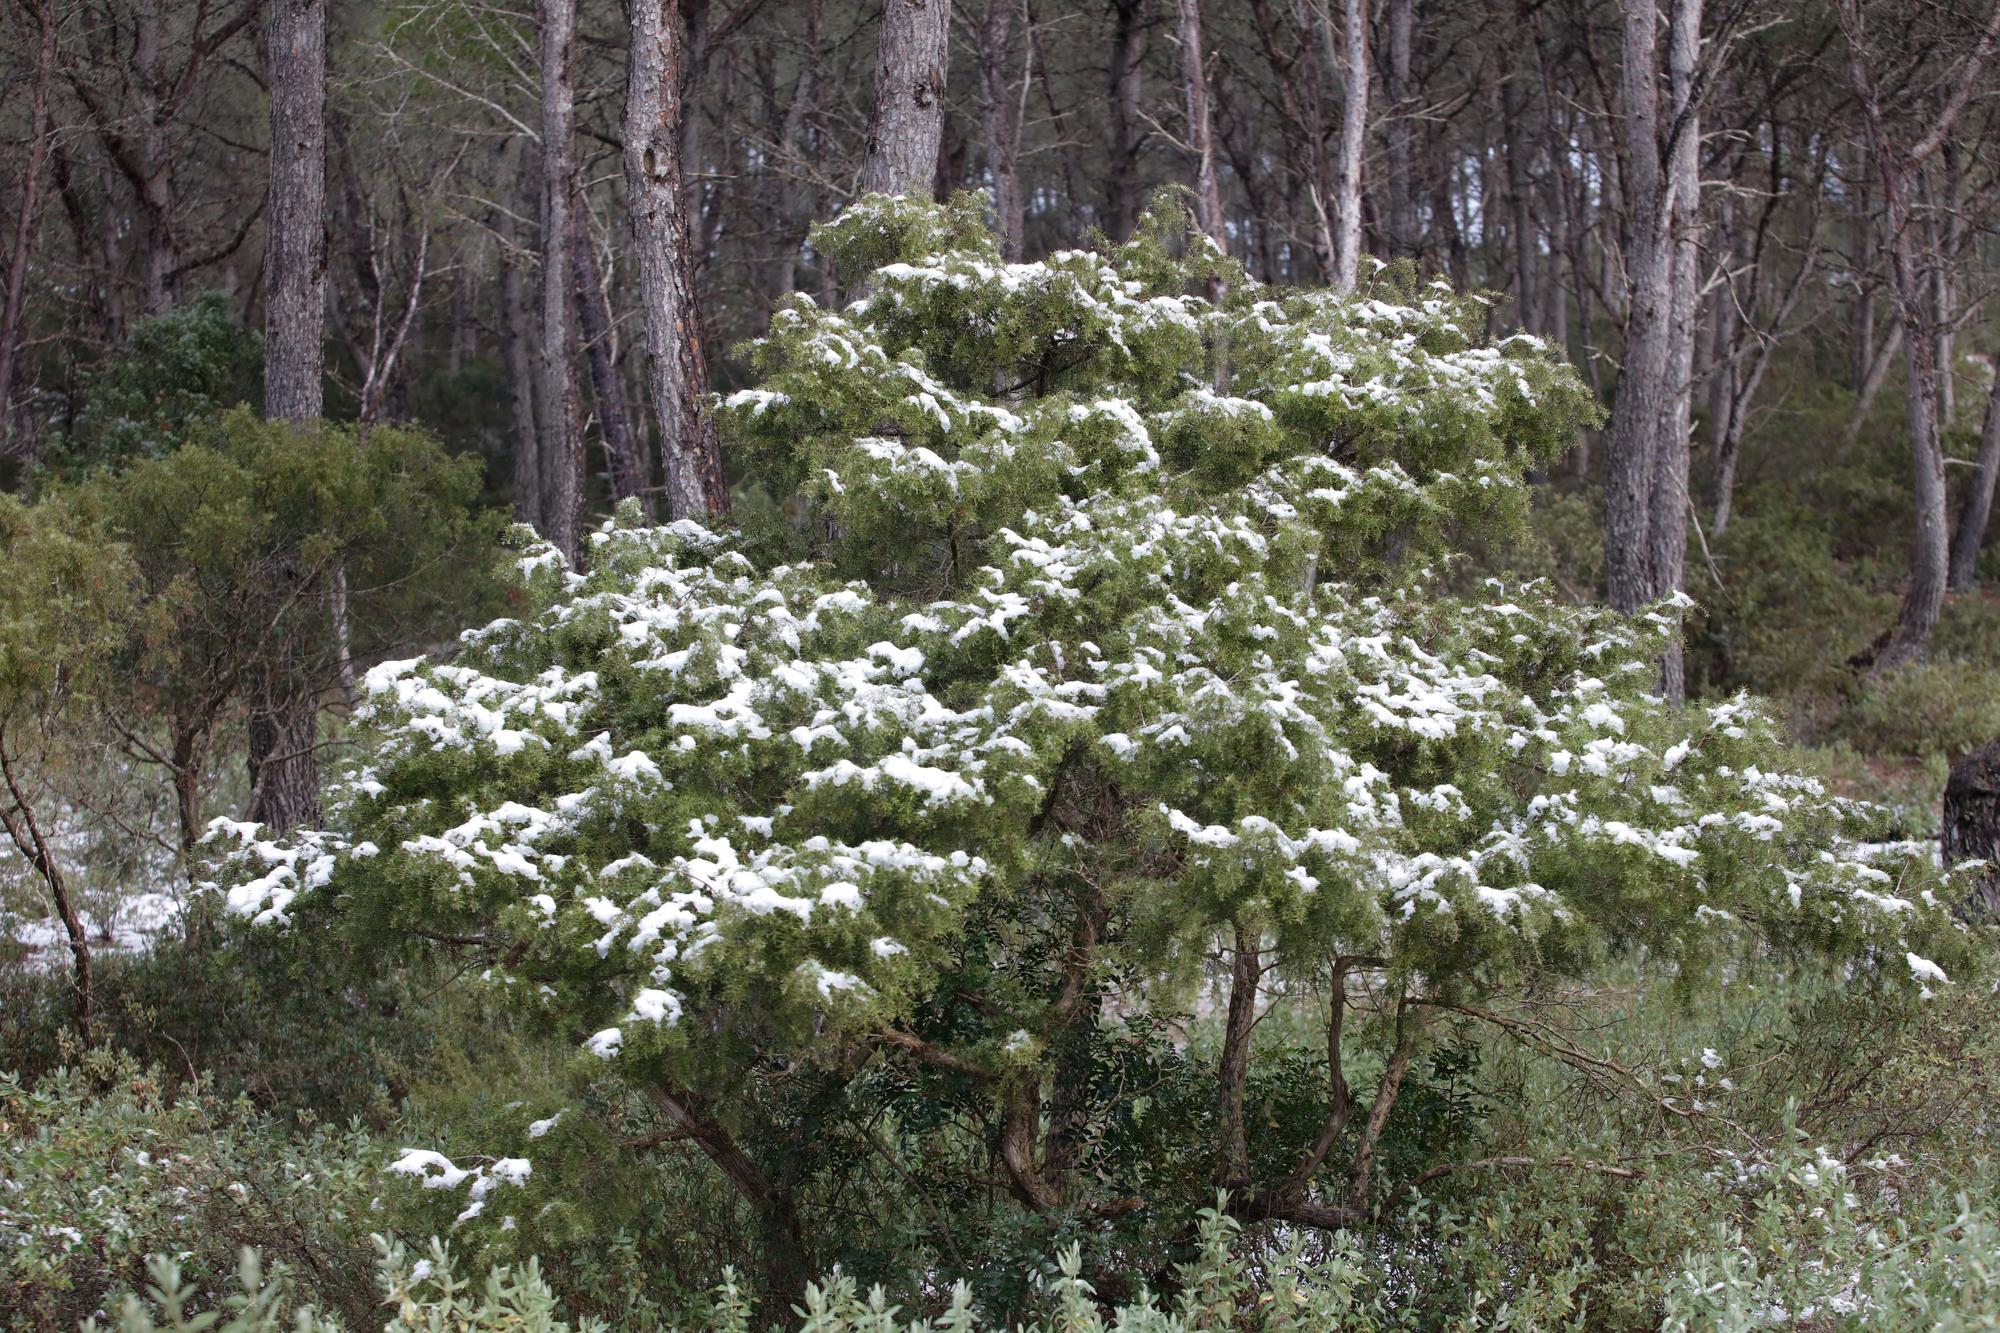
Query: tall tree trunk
<point x="295" y="245"/>
<point x="154" y="181"/>
<point x="1402" y="197"/>
<point x="1644" y="384"/>
<point x="625" y="461"/>
<point x="1667" y="536"/>
<point x="1970" y="535"/>
<point x="561" y="453"/>
<point x="1200" y="127"/>
<point x="908" y="125"/>
<point x="284" y="710"/>
<point x="1126" y="57"/>
<point x="676" y="360"/>
<point x="1354" y="74"/>
<point x="39" y="137"/>
<point x="996" y="124"/>
<point x="1521" y="207"/>
<point x="517" y="358"/>
<point x="1896" y="166"/>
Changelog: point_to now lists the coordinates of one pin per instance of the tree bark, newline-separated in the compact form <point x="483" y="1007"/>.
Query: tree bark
<point x="1354" y="73"/>
<point x="39" y="137"/>
<point x="676" y="360"/>
<point x="1402" y="197"/>
<point x="283" y="751"/>
<point x="1125" y="59"/>
<point x="295" y="245"/>
<point x="1970" y="535"/>
<point x="625" y="461"/>
<point x="561" y="454"/>
<point x="1668" y="521"/>
<point x="1972" y="822"/>
<point x="997" y="124"/>
<point x="1200" y="127"/>
<point x="1644" y="389"/>
<point x="517" y="359"/>
<point x="908" y="124"/>
<point x="284" y="754"/>
<point x="1232" y="1158"/>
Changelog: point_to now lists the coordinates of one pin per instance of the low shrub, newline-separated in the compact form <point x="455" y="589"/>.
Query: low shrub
<point x="110" y="1162"/>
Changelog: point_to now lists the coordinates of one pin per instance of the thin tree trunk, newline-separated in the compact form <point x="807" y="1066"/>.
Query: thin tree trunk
<point x="1970" y="535"/>
<point x="1872" y="379"/>
<point x="1667" y="537"/>
<point x="1126" y="57"/>
<point x="517" y="359"/>
<point x="1232" y="1160"/>
<point x="1521" y="208"/>
<point x="1200" y="127"/>
<point x="908" y="125"/>
<point x="1354" y="73"/>
<point x="26" y="832"/>
<point x="996" y="124"/>
<point x="561" y="453"/>
<point x="676" y="360"/>
<point x="1402" y="199"/>
<point x="24" y="224"/>
<point x="625" y="461"/>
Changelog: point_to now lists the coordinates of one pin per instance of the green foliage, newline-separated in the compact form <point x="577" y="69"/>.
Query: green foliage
<point x="1090" y="672"/>
<point x="109" y="1162"/>
<point x="176" y="371"/>
<point x="65" y="588"/>
<point x="287" y="1032"/>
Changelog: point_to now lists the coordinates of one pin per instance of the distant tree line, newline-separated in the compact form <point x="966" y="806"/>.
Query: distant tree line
<point x="538" y="228"/>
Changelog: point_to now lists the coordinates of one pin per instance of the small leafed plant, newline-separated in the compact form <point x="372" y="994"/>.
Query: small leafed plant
<point x="1107" y="669"/>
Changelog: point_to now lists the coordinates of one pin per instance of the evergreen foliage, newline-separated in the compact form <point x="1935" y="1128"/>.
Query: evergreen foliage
<point x="1112" y="625"/>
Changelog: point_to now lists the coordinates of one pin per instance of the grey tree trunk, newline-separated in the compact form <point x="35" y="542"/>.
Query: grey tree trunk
<point x="1125" y="58"/>
<point x="1521" y="208"/>
<point x="908" y="124"/>
<point x="284" y="712"/>
<point x="1668" y="522"/>
<point x="1970" y="534"/>
<point x="1402" y="202"/>
<point x="295" y="244"/>
<point x="625" y="461"/>
<point x="517" y="360"/>
<point x="997" y="122"/>
<point x="676" y="360"/>
<point x="1200" y="127"/>
<point x="1644" y="384"/>
<point x="561" y="454"/>
<point x="1354" y="74"/>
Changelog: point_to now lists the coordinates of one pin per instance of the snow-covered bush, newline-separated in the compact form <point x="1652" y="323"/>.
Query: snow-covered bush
<point x="1109" y="665"/>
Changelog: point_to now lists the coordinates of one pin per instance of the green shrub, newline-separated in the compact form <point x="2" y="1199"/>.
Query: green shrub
<point x="109" y="1162"/>
<point x="1935" y="710"/>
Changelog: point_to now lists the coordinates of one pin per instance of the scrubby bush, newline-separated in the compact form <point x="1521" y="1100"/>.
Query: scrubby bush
<point x="109" y="1162"/>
